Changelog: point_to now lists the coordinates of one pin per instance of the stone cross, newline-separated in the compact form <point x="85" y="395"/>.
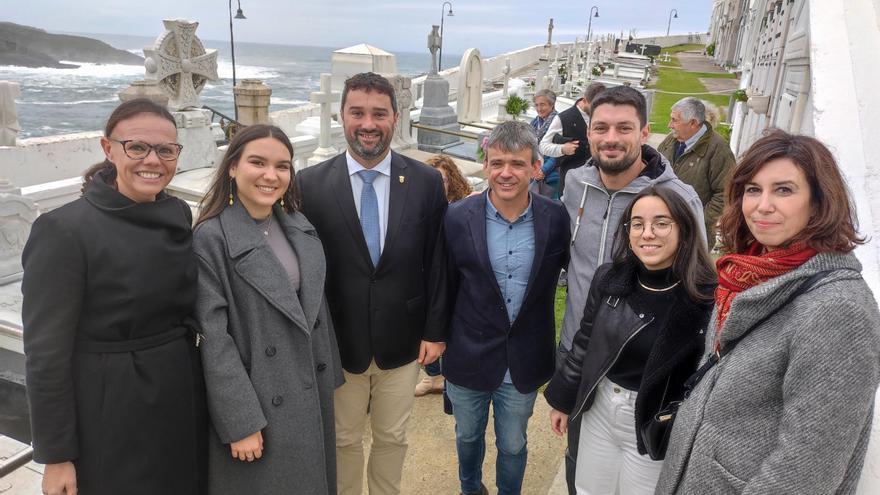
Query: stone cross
<point x="434" y="42"/>
<point x="180" y="63"/>
<point x="550" y="33"/>
<point x="9" y="125"/>
<point x="325" y="98"/>
<point x="506" y="75"/>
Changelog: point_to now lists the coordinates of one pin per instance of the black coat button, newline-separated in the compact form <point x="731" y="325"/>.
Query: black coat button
<point x="270" y="351"/>
<point x="277" y="400"/>
<point x="317" y="322"/>
<point x="321" y="366"/>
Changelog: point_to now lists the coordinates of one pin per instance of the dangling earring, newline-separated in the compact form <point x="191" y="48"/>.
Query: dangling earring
<point x="231" y="187"/>
<point x="282" y="201"/>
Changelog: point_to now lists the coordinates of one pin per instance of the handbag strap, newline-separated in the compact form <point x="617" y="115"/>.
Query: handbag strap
<point x="694" y="379"/>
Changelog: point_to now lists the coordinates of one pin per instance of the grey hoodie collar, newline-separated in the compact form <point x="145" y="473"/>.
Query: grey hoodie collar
<point x="654" y="160"/>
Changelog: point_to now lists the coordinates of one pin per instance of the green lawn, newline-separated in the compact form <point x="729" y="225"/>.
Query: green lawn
<point x="678" y="81"/>
<point x="560" y="309"/>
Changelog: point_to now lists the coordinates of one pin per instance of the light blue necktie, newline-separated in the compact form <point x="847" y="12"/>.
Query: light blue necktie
<point x="370" y="214"/>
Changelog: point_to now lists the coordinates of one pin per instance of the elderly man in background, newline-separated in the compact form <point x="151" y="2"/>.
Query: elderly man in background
<point x="548" y="176"/>
<point x="566" y="138"/>
<point x="700" y="157"/>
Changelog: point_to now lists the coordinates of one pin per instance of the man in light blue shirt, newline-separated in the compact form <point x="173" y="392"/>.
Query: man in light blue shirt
<point x="509" y="248"/>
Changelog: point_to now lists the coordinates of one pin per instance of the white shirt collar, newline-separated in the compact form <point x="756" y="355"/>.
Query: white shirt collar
<point x="383" y="167"/>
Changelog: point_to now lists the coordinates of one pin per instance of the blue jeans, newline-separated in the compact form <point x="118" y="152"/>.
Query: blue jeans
<point x="512" y="412"/>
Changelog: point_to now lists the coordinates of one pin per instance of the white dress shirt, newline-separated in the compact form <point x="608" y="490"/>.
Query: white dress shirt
<point x="547" y="147"/>
<point x="381" y="184"/>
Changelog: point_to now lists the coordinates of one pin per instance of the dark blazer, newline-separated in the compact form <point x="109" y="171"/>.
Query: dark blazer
<point x="574" y="127"/>
<point x="113" y="382"/>
<point x="269" y="355"/>
<point x="483" y="343"/>
<point x="382" y="313"/>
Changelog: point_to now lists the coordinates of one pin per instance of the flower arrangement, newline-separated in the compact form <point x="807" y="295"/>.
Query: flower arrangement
<point x="483" y="149"/>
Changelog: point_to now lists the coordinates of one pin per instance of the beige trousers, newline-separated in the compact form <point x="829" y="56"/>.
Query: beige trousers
<point x="386" y="396"/>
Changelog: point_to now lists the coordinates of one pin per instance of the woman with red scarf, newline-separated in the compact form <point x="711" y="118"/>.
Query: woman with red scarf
<point x="784" y="401"/>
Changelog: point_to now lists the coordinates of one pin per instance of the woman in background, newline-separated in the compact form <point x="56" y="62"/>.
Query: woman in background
<point x="113" y="375"/>
<point x="270" y="356"/>
<point x="456" y="187"/>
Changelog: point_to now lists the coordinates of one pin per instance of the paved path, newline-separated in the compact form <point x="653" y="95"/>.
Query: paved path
<point x="432" y="466"/>
<point x="697" y="62"/>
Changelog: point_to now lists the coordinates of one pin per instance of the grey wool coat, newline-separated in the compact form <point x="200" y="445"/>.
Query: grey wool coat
<point x="789" y="410"/>
<point x="270" y="357"/>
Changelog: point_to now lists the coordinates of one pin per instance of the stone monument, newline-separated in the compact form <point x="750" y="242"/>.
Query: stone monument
<point x="325" y="97"/>
<point x="181" y="67"/>
<point x="469" y="104"/>
<point x="146" y="88"/>
<point x="402" y="138"/>
<point x="9" y="125"/>
<point x="502" y="103"/>
<point x="17" y="213"/>
<point x="179" y="61"/>
<point x="436" y="112"/>
<point x="252" y="100"/>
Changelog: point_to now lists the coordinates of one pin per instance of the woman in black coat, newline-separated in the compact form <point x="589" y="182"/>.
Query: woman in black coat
<point x="640" y="339"/>
<point x="113" y="374"/>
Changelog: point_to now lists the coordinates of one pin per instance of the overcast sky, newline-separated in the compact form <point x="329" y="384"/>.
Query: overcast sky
<point x="493" y="26"/>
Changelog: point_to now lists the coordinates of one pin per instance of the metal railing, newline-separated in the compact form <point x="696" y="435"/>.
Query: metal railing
<point x="17" y="460"/>
<point x="227" y="123"/>
<point x="466" y="135"/>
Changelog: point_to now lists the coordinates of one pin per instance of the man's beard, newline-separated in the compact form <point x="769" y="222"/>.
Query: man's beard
<point x="358" y="149"/>
<point x="618" y="166"/>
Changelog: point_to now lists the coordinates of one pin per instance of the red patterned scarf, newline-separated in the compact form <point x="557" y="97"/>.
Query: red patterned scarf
<point x="738" y="272"/>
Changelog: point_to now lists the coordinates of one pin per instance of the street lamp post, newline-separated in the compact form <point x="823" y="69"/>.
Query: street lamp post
<point x="238" y="15"/>
<point x="669" y="24"/>
<point x="590" y="24"/>
<point x="443" y="13"/>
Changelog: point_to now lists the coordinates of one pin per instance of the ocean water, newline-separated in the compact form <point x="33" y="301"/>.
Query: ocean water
<point x="61" y="101"/>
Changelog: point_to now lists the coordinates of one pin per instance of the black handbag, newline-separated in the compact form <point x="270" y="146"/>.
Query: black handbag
<point x="657" y="430"/>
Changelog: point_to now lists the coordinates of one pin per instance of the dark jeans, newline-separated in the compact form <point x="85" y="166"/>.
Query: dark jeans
<point x="433" y="369"/>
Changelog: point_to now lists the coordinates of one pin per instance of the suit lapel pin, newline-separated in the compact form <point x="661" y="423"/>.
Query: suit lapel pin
<point x="401" y="178"/>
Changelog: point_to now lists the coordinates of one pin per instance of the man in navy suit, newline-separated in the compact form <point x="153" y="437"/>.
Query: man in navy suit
<point x="506" y="248"/>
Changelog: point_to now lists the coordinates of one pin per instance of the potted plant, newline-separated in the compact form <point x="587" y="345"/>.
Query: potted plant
<point x="740" y="95"/>
<point x="516" y="106"/>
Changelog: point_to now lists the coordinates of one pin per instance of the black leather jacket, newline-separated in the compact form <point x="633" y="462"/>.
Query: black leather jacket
<point x="609" y="322"/>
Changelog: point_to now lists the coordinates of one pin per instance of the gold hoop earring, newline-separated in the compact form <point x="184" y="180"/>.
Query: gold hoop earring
<point x="231" y="187"/>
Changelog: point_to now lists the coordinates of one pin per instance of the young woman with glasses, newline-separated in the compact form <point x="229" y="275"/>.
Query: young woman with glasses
<point x="114" y="379"/>
<point x="640" y="338"/>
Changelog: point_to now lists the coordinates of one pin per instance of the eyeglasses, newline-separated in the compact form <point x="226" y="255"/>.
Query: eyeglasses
<point x="138" y="150"/>
<point x="660" y="228"/>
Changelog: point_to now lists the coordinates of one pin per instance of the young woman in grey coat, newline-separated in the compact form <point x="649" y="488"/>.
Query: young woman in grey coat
<point x="788" y="406"/>
<point x="269" y="351"/>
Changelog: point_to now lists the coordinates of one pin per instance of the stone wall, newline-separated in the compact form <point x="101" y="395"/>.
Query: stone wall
<point x="46" y="159"/>
<point x="673" y="40"/>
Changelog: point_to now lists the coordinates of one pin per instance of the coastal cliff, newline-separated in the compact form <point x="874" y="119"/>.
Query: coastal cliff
<point x="31" y="47"/>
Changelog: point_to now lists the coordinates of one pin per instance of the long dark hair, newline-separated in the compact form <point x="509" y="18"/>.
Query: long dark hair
<point x="833" y="226"/>
<point x="217" y="197"/>
<point x="692" y="264"/>
<point x="125" y="111"/>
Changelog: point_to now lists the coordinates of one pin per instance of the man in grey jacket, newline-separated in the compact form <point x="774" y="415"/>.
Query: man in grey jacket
<point x="596" y="194"/>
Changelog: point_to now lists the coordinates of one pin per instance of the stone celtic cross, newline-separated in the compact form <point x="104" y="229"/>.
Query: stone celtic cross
<point x="180" y="64"/>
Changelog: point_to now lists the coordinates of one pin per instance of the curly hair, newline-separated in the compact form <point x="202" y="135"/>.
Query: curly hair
<point x="457" y="187"/>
